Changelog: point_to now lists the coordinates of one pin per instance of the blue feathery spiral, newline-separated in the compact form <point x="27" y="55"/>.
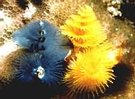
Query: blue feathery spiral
<point x="34" y="75"/>
<point x="30" y="37"/>
<point x="40" y="35"/>
<point x="26" y="66"/>
<point x="48" y="49"/>
<point x="33" y="67"/>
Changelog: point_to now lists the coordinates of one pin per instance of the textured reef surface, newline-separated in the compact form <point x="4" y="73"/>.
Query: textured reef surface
<point x="67" y="49"/>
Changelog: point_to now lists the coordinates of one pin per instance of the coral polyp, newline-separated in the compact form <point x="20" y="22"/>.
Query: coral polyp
<point x="92" y="70"/>
<point x="84" y="29"/>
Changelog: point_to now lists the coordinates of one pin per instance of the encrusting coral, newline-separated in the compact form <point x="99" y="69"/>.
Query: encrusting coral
<point x="90" y="68"/>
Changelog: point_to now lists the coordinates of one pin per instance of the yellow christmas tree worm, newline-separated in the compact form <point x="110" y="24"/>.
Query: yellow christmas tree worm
<point x="92" y="70"/>
<point x="83" y="28"/>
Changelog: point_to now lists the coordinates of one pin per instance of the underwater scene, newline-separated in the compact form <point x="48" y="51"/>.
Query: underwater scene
<point x="67" y="49"/>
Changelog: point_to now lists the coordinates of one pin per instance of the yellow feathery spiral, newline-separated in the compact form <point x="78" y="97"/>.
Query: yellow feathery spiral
<point x="84" y="29"/>
<point x="92" y="70"/>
